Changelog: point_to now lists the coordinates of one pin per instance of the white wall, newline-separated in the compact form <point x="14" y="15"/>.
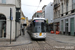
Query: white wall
<point x="18" y="4"/>
<point x="0" y="1"/>
<point x="10" y="2"/>
<point x="5" y="10"/>
<point x="18" y="29"/>
<point x="49" y="13"/>
<point x="13" y="2"/>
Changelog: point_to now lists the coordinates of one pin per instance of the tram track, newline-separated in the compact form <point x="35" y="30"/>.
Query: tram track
<point x="44" y="45"/>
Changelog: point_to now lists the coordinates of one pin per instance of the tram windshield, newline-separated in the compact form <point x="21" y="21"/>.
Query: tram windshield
<point x="39" y="26"/>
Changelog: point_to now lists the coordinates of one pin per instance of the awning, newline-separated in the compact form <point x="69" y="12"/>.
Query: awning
<point x="23" y="18"/>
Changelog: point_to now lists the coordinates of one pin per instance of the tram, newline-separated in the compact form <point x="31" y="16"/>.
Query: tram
<point x="37" y="28"/>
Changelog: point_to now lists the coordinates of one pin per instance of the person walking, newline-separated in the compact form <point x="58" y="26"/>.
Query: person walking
<point x="23" y="30"/>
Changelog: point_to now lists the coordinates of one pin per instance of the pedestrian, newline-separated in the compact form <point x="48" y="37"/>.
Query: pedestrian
<point x="3" y="30"/>
<point x="23" y="29"/>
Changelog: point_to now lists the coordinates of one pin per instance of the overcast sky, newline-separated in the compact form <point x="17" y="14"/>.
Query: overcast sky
<point x="29" y="7"/>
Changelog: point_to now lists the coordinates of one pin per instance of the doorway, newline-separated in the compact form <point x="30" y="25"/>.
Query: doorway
<point x="2" y="26"/>
<point x="72" y="26"/>
<point x="66" y="27"/>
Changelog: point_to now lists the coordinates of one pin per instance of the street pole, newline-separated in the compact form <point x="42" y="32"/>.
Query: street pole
<point x="10" y="23"/>
<point x="10" y="30"/>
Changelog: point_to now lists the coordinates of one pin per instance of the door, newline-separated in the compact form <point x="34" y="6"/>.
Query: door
<point x="72" y="26"/>
<point x="62" y="26"/>
<point x="66" y="27"/>
<point x="0" y="29"/>
<point x="2" y="26"/>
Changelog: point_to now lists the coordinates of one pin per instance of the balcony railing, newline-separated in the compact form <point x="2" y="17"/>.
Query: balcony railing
<point x="72" y="11"/>
<point x="56" y="6"/>
<point x="66" y="13"/>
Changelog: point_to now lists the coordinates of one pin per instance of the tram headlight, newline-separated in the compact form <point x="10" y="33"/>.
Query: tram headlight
<point x="35" y="34"/>
<point x="45" y="33"/>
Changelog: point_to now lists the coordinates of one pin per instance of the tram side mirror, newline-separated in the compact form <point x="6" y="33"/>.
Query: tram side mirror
<point x="44" y="21"/>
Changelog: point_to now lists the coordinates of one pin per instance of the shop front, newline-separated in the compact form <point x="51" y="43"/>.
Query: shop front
<point x="67" y="25"/>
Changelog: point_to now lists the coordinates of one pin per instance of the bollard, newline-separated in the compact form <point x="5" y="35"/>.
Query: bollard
<point x="52" y="32"/>
<point x="57" y="32"/>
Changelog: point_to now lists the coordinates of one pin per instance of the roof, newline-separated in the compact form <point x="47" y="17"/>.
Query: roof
<point x="39" y="11"/>
<point x="44" y="6"/>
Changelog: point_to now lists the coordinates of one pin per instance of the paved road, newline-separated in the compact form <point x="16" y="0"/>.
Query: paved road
<point x="48" y="44"/>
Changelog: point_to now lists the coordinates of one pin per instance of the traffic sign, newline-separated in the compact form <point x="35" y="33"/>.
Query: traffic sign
<point x="11" y="18"/>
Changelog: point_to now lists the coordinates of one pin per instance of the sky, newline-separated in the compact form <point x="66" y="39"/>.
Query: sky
<point x="29" y="7"/>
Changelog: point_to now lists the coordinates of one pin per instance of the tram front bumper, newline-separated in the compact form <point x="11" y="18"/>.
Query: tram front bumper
<point x="39" y="37"/>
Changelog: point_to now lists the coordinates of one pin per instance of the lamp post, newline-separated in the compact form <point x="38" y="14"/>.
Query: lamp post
<point x="10" y="25"/>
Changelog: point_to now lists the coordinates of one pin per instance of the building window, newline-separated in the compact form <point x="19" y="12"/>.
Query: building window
<point x="3" y="1"/>
<point x="66" y="5"/>
<point x="55" y="1"/>
<point x="59" y="13"/>
<point x="66" y="26"/>
<point x="37" y="15"/>
<point x="73" y="4"/>
<point x="54" y="14"/>
<point x="62" y="8"/>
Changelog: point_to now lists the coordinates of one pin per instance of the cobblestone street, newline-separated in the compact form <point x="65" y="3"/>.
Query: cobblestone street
<point x="48" y="44"/>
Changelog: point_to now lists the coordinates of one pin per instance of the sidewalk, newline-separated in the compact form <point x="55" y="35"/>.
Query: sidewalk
<point x="21" y="40"/>
<point x="62" y="38"/>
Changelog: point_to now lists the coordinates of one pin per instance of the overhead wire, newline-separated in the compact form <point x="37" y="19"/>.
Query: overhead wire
<point x="31" y="5"/>
<point x="37" y="7"/>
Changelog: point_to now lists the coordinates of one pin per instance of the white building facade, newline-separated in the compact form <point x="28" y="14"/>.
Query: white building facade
<point x="66" y="17"/>
<point x="5" y="6"/>
<point x="43" y="11"/>
<point x="49" y="16"/>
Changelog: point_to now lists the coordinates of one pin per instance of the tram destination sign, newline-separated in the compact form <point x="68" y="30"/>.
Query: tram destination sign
<point x="38" y="20"/>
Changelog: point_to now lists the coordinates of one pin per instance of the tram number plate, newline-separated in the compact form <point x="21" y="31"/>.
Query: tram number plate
<point x="40" y="34"/>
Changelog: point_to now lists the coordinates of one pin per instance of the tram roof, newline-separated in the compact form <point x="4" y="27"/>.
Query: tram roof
<point x="39" y="18"/>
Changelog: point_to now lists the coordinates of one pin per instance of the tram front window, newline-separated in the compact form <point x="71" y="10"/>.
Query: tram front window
<point x="39" y="27"/>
